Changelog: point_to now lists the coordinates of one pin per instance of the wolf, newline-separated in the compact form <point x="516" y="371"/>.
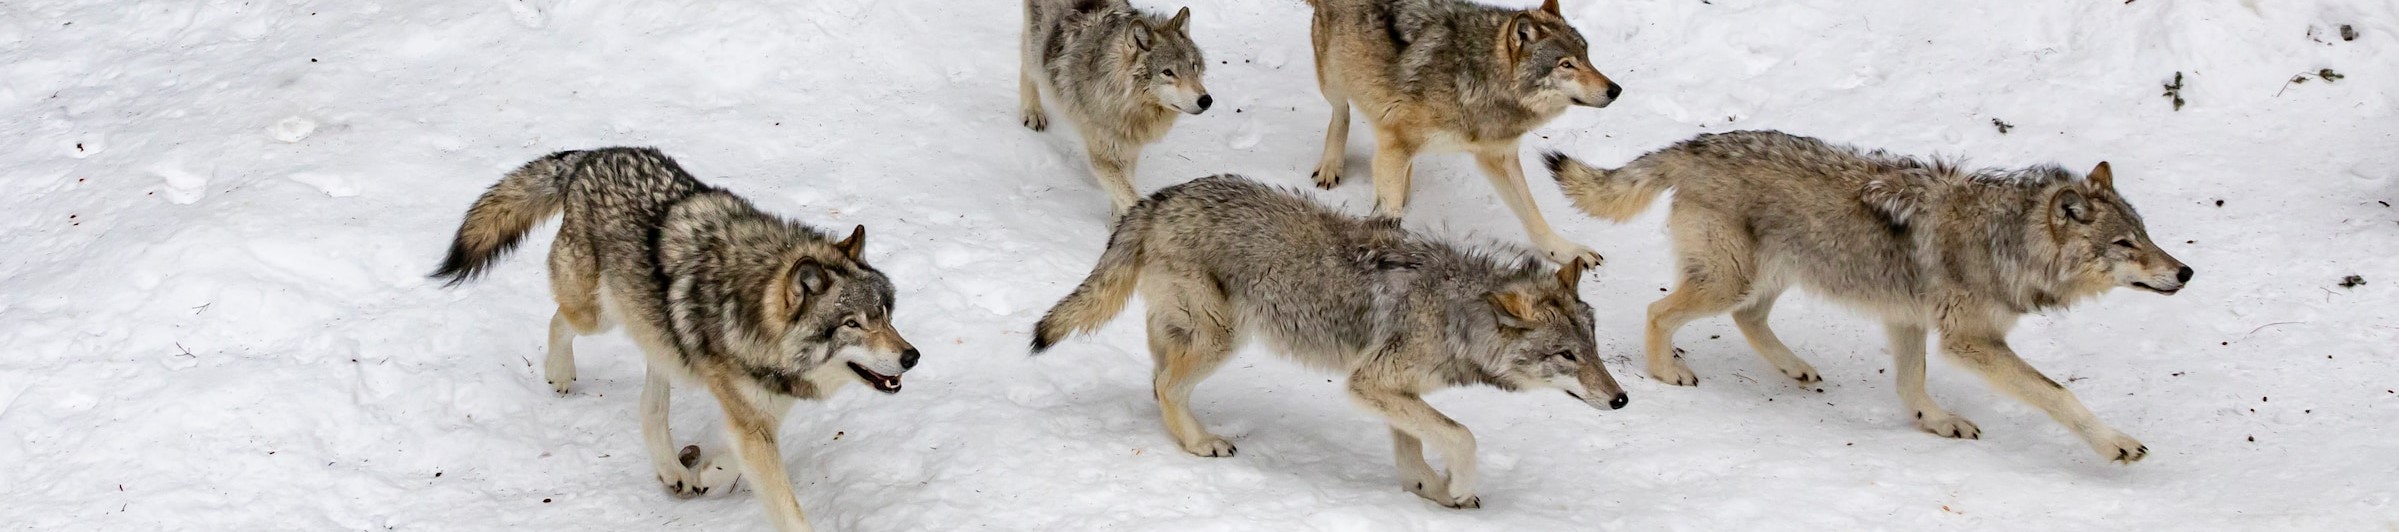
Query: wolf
<point x="1223" y="258"/>
<point x="1923" y="245"/>
<point x="1123" y="75"/>
<point x="757" y="309"/>
<point x="1448" y="75"/>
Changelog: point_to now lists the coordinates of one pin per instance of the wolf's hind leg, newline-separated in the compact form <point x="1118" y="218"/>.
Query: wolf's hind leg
<point x="1752" y="321"/>
<point x="1712" y="259"/>
<point x="1189" y="338"/>
<point x="574" y="283"/>
<point x="1907" y="354"/>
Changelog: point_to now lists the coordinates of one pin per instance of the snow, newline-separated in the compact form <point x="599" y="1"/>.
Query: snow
<point x="214" y="315"/>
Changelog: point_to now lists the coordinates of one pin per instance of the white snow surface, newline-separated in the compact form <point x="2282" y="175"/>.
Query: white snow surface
<point x="214" y="313"/>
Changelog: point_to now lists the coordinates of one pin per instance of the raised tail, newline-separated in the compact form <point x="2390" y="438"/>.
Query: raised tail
<point x="1616" y="195"/>
<point x="500" y="219"/>
<point x="1103" y="294"/>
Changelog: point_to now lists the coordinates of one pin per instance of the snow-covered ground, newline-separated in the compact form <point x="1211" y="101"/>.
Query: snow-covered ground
<point x="214" y="315"/>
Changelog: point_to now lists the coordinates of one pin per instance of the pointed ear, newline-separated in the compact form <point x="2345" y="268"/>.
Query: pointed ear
<point x="2101" y="178"/>
<point x="1514" y="308"/>
<point x="2071" y="205"/>
<point x="1524" y="30"/>
<point x="1181" y="22"/>
<point x="1571" y="276"/>
<point x="1551" y="7"/>
<point x="1141" y="34"/>
<point x="855" y="245"/>
<point x="809" y="278"/>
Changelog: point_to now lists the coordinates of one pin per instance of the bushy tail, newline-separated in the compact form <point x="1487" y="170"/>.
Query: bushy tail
<point x="1103" y="294"/>
<point x="501" y="217"/>
<point x="1616" y="195"/>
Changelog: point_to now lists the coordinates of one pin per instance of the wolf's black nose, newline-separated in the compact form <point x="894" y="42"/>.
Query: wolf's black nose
<point x="908" y="359"/>
<point x="2184" y="276"/>
<point x="1205" y="101"/>
<point x="1619" y="402"/>
<point x="1614" y="89"/>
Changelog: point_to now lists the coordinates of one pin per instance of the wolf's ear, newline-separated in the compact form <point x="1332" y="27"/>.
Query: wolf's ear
<point x="1513" y="308"/>
<point x="1181" y="22"/>
<point x="1551" y="7"/>
<point x="2102" y="178"/>
<point x="1525" y="32"/>
<point x="2071" y="205"/>
<point x="1571" y="276"/>
<point x="855" y="245"/>
<point x="1141" y="34"/>
<point x="809" y="278"/>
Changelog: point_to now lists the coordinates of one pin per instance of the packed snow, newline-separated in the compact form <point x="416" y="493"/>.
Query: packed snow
<point x="214" y="313"/>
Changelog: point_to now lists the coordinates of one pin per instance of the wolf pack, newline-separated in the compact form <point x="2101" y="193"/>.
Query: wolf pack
<point x="763" y="310"/>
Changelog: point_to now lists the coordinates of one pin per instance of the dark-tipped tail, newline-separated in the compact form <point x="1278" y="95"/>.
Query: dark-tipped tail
<point x="1103" y="294"/>
<point x="1616" y="195"/>
<point x="500" y="219"/>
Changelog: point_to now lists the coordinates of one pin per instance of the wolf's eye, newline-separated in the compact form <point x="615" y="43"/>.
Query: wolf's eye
<point x="1565" y="64"/>
<point x="1568" y="355"/>
<point x="850" y="323"/>
<point x="1168" y="72"/>
<point x="2126" y="243"/>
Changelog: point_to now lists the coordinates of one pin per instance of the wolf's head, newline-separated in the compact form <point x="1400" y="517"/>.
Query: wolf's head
<point x="2104" y="241"/>
<point x="1551" y="63"/>
<point x="1170" y="64"/>
<point x="1545" y="336"/>
<point x="837" y="306"/>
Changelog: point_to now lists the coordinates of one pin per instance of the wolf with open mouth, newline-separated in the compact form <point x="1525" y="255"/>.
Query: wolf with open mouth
<point x="758" y="309"/>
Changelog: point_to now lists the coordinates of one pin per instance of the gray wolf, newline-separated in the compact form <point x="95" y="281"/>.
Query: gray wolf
<point x="1924" y="245"/>
<point x="1224" y="258"/>
<point x="757" y="309"/>
<point x="1123" y="75"/>
<point x="1447" y="75"/>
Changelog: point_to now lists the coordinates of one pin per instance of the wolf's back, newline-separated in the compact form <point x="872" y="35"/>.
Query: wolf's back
<point x="501" y="217"/>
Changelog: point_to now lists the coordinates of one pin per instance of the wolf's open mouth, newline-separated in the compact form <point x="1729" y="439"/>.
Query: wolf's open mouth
<point x="881" y="382"/>
<point x="2145" y="286"/>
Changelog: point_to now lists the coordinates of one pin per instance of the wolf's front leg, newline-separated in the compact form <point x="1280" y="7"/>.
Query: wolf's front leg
<point x="1407" y="413"/>
<point x="1506" y="172"/>
<point x="1989" y="355"/>
<point x="1415" y="475"/>
<point x="657" y="394"/>
<point x="1113" y="162"/>
<point x="752" y="419"/>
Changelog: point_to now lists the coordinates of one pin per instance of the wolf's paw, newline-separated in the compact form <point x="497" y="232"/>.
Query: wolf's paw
<point x="719" y="472"/>
<point x="1468" y="502"/>
<point x="1947" y="425"/>
<point x="560" y="375"/>
<point x="1805" y="374"/>
<point x="1327" y="175"/>
<point x="1562" y="252"/>
<point x="1211" y="446"/>
<point x="2117" y="447"/>
<point x="1035" y="119"/>
<point x="1674" y="372"/>
<point x="679" y="479"/>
